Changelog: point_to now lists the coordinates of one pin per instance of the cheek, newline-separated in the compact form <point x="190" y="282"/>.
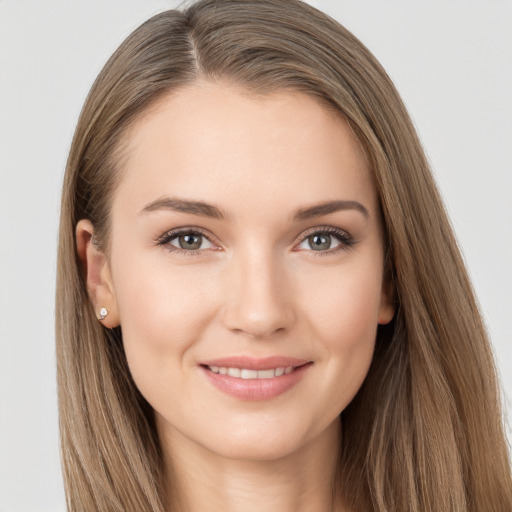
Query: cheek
<point x="344" y="307"/>
<point x="343" y="316"/>
<point x="163" y="312"/>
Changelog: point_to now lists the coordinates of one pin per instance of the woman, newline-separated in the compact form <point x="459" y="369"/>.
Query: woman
<point x="272" y="310"/>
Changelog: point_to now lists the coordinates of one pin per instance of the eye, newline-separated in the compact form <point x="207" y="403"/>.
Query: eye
<point x="190" y="241"/>
<point x="186" y="241"/>
<point x="326" y="240"/>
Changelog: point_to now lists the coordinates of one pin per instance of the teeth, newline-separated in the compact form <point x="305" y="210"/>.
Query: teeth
<point x="234" y="372"/>
<point x="266" y="374"/>
<point x="244" y="373"/>
<point x="249" y="374"/>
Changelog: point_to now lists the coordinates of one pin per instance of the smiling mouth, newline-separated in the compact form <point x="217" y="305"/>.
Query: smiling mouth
<point x="252" y="379"/>
<point x="245" y="373"/>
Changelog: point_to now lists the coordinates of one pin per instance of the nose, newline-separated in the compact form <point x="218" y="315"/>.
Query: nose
<point x="259" y="302"/>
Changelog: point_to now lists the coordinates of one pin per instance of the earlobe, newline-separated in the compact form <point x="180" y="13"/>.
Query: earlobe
<point x="96" y="271"/>
<point x="386" y="313"/>
<point x="387" y="302"/>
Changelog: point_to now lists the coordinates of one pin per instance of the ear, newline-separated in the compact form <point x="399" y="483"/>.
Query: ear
<point x="97" y="274"/>
<point x="387" y="297"/>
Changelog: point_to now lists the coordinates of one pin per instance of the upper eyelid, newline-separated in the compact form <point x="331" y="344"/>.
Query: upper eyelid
<point x="324" y="229"/>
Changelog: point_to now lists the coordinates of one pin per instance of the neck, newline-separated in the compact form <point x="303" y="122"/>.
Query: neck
<point x="203" y="481"/>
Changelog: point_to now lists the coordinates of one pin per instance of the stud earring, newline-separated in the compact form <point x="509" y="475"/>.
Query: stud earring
<point x="103" y="313"/>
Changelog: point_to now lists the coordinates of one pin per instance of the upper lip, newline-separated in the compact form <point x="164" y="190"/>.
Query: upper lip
<point x="253" y="363"/>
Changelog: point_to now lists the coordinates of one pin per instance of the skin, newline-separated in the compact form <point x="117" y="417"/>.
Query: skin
<point x="257" y="286"/>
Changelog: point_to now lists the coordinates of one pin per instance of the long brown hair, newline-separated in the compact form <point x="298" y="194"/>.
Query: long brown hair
<point x="425" y="431"/>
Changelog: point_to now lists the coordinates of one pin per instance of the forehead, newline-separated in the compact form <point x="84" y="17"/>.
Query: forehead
<point x="217" y="142"/>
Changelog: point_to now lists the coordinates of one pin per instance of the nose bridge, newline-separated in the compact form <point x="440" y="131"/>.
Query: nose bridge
<point x="259" y="302"/>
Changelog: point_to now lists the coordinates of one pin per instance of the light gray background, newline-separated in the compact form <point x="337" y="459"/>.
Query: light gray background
<point x="452" y="63"/>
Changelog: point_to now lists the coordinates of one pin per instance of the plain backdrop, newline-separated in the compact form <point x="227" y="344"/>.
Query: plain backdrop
<point x="452" y="63"/>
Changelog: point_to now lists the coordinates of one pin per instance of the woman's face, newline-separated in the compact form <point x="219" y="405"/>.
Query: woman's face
<point x="246" y="236"/>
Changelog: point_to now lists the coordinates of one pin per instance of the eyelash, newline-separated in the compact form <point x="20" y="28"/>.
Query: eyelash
<point x="346" y="240"/>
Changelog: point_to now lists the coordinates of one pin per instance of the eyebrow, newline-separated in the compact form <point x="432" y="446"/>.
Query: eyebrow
<point x="329" y="207"/>
<point x="186" y="206"/>
<point x="203" y="209"/>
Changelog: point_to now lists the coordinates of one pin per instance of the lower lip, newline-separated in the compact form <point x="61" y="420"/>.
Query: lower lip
<point x="256" y="389"/>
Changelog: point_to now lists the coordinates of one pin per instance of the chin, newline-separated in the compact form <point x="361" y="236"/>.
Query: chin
<point x="261" y="443"/>
<point x="261" y="450"/>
